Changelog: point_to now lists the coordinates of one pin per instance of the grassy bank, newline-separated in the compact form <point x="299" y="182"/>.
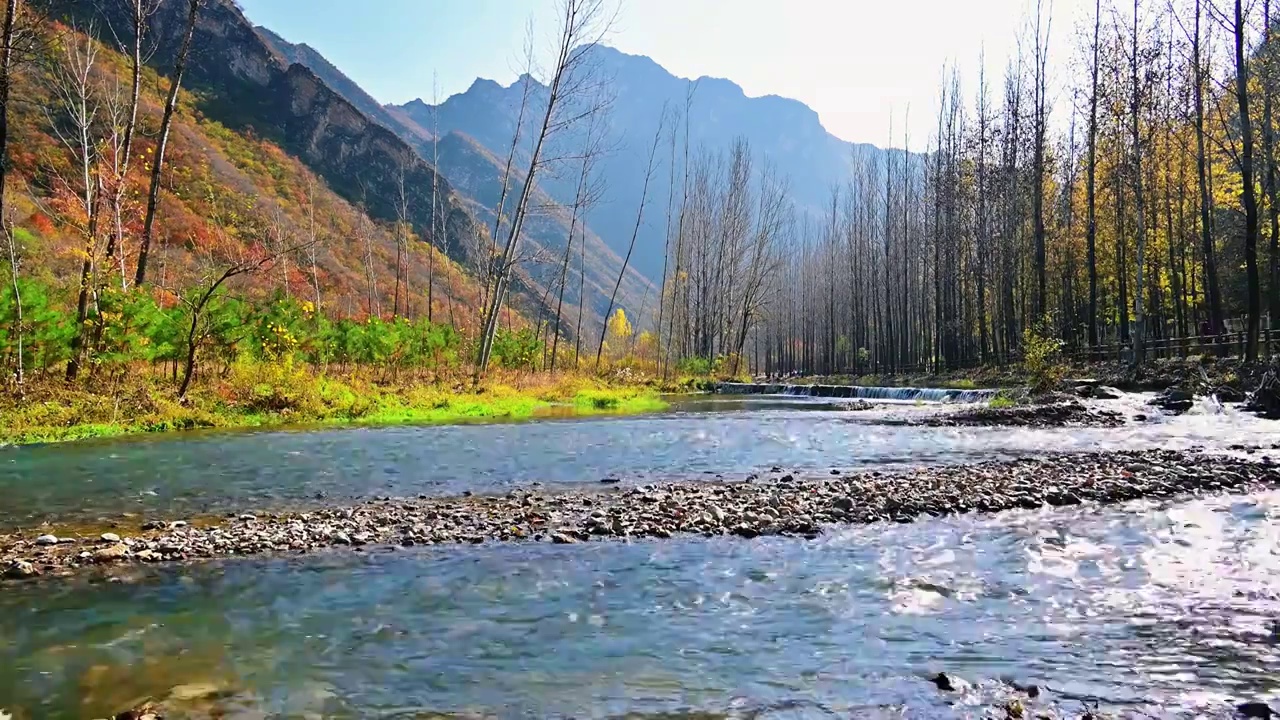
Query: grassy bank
<point x="255" y="396"/>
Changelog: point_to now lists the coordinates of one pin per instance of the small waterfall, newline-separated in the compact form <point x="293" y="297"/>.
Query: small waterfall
<point x="903" y="394"/>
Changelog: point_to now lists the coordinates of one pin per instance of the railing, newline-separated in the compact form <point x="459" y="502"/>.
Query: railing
<point x="1225" y="344"/>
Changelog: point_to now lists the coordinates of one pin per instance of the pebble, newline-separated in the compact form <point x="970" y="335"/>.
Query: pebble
<point x="788" y="506"/>
<point x="47" y="540"/>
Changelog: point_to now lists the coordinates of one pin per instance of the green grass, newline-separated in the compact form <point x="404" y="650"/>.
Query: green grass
<point x="1000" y="402"/>
<point x="257" y="397"/>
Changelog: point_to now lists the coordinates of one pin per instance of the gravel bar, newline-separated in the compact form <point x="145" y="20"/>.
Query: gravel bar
<point x="777" y="503"/>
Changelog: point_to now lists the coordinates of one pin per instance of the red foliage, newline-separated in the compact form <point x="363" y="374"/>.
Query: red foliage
<point x="42" y="224"/>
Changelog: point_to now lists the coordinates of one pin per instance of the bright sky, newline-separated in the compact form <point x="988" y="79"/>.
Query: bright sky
<point x="856" y="62"/>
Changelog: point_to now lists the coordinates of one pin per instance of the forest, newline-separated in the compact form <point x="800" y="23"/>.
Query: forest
<point x="1132" y="204"/>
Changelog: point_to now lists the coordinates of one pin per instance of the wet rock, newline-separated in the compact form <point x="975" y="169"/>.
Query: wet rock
<point x="792" y="507"/>
<point x="944" y="682"/>
<point x="1229" y="394"/>
<point x="47" y="540"/>
<point x="154" y="525"/>
<point x="610" y="480"/>
<point x="145" y="711"/>
<point x="109" y="538"/>
<point x="1255" y="710"/>
<point x="193" y="691"/>
<point x="247" y="517"/>
<point x="1174" y="400"/>
<point x="21" y="570"/>
<point x="113" y="553"/>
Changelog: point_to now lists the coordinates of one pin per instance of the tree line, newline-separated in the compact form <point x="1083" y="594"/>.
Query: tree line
<point x="1134" y="202"/>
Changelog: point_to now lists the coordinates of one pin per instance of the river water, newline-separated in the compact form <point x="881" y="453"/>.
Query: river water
<point x="1170" y="607"/>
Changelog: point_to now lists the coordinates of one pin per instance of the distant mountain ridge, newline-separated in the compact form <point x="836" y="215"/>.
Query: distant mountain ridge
<point x="782" y="131"/>
<point x="475" y="169"/>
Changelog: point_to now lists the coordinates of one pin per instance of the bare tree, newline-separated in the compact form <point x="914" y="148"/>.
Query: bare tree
<point x="635" y="231"/>
<point x="8" y="37"/>
<point x="587" y="193"/>
<point x="140" y="12"/>
<point x="1040" y="128"/>
<point x="313" y="242"/>
<point x="583" y="24"/>
<point x="1269" y="156"/>
<point x="1091" y="183"/>
<point x="73" y="119"/>
<point x="401" y="238"/>
<point x="1139" y="195"/>
<point x="490" y="252"/>
<point x="1248" y="193"/>
<point x="15" y="255"/>
<point x="166" y="123"/>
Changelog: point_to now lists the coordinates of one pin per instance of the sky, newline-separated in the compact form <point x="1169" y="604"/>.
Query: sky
<point x="859" y="63"/>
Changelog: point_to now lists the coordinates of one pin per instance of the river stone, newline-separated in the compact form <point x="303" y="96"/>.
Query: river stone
<point x="20" y="570"/>
<point x="109" y="537"/>
<point x="111" y="554"/>
<point x="562" y="539"/>
<point x="193" y="691"/>
<point x="47" y="540"/>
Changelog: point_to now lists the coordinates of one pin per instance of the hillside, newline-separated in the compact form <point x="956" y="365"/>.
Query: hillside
<point x="784" y="132"/>
<point x="475" y="170"/>
<point x="305" y="55"/>
<point x="477" y="174"/>
<point x="230" y="189"/>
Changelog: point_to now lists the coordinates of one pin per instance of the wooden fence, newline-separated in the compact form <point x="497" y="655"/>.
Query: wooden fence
<point x="1231" y="343"/>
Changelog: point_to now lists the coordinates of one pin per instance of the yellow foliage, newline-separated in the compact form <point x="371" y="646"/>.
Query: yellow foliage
<point x="619" y="326"/>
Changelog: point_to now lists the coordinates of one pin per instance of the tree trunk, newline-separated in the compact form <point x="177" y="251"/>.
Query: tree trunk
<point x="157" y="165"/>
<point x="1248" y="193"/>
<point x="1091" y="183"/>
<point x="1206" y="198"/>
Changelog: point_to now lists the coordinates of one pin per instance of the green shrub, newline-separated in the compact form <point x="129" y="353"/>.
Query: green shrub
<point x="1041" y="358"/>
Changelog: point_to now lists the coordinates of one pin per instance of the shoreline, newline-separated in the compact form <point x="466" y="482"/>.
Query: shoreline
<point x="439" y="408"/>
<point x="778" y="504"/>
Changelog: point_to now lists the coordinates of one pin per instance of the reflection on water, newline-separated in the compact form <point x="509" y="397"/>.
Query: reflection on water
<point x="733" y="437"/>
<point x="1165" y="606"/>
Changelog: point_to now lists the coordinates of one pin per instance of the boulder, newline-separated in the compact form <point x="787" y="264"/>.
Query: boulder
<point x="1174" y="400"/>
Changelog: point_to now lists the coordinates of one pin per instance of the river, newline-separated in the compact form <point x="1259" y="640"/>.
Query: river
<point x="1170" y="605"/>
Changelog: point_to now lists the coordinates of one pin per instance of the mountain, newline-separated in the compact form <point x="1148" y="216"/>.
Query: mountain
<point x="257" y="85"/>
<point x="786" y="133"/>
<point x="475" y="170"/>
<point x="478" y="174"/>
<point x="303" y="54"/>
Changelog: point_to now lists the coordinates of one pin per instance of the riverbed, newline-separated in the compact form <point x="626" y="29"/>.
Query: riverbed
<point x="1167" y="606"/>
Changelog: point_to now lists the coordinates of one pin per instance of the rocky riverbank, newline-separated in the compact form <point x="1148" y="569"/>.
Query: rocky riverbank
<point x="1056" y="412"/>
<point x="779" y="503"/>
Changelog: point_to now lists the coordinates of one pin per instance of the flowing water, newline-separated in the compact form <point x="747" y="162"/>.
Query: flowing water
<point x="1172" y="606"/>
